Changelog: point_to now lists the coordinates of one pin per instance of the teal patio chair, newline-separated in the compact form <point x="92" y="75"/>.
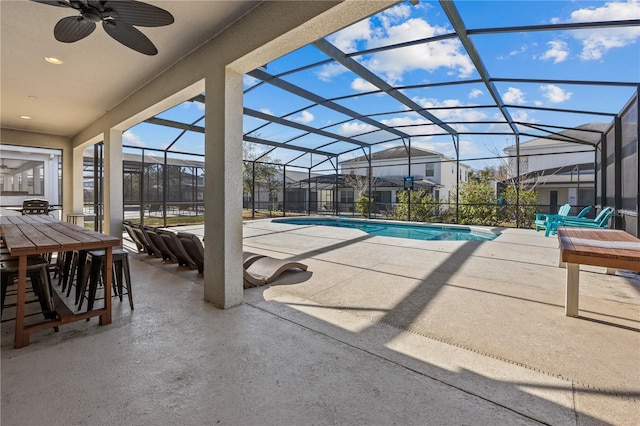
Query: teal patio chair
<point x="544" y="219"/>
<point x="601" y="221"/>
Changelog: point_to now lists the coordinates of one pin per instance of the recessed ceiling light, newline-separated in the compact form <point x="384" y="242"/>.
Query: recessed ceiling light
<point x="25" y="117"/>
<point x="52" y="60"/>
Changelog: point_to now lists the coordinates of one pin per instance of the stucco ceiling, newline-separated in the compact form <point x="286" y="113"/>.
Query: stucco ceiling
<point x="98" y="73"/>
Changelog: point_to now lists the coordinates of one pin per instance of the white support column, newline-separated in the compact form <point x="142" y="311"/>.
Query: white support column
<point x="24" y="181"/>
<point x="77" y="188"/>
<point x="16" y="182"/>
<point x="572" y="290"/>
<point x="113" y="209"/>
<point x="37" y="180"/>
<point x="223" y="284"/>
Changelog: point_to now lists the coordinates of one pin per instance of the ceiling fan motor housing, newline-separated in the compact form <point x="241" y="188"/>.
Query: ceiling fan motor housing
<point x="91" y="14"/>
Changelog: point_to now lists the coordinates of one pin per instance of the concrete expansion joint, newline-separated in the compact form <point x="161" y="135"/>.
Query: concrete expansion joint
<point x="619" y="393"/>
<point x="338" y="283"/>
<point x="421" y="373"/>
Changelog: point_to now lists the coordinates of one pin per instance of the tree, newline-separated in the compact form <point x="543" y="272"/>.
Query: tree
<point x="480" y="206"/>
<point x="263" y="172"/>
<point x="361" y="185"/>
<point x="528" y="200"/>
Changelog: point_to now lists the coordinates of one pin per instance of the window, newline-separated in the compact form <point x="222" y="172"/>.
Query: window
<point x="22" y="177"/>
<point x="346" y="196"/>
<point x="430" y="170"/>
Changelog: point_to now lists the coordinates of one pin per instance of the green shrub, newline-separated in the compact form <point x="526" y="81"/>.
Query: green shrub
<point x="424" y="207"/>
<point x="364" y="205"/>
<point x="477" y="204"/>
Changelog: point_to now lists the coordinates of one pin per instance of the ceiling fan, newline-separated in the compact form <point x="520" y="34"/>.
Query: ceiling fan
<point x="118" y="20"/>
<point x="3" y="166"/>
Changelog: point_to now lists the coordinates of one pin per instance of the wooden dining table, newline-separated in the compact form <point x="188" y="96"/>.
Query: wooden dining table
<point x="41" y="234"/>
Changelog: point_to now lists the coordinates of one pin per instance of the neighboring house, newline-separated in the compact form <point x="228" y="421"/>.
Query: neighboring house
<point x="297" y="198"/>
<point x="430" y="170"/>
<point x="333" y="192"/>
<point x="560" y="171"/>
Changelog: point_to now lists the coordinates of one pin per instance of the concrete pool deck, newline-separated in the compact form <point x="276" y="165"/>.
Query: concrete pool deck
<point x="378" y="331"/>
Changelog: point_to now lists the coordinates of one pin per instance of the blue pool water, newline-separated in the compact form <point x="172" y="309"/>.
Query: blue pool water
<point x="398" y="230"/>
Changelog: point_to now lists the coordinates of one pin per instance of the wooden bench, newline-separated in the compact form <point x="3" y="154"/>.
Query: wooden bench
<point x="609" y="248"/>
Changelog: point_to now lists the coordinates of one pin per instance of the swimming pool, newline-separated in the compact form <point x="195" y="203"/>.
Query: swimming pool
<point x="398" y="230"/>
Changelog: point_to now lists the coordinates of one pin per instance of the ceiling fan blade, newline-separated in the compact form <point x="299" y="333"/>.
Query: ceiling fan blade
<point x="140" y="14"/>
<point x="59" y="3"/>
<point x="73" y="28"/>
<point x="129" y="36"/>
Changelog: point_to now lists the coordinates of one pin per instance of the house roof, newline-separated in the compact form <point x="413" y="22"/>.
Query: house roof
<point x="589" y="133"/>
<point x="396" y="152"/>
<point x="328" y="181"/>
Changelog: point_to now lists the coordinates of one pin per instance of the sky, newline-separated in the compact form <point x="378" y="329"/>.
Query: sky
<point x="586" y="55"/>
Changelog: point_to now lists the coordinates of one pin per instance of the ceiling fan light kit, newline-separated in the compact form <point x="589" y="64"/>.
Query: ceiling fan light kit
<point x="119" y="19"/>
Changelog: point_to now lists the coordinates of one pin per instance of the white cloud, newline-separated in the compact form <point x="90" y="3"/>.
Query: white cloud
<point x="513" y="96"/>
<point x="130" y="138"/>
<point x="348" y="38"/>
<point x="352" y="128"/>
<point x="418" y="122"/>
<point x="516" y="115"/>
<point x="458" y="114"/>
<point x="304" y="117"/>
<point x="391" y="65"/>
<point x="395" y="14"/>
<point x="475" y="93"/>
<point x="523" y="116"/>
<point x="361" y="85"/>
<point x="467" y="148"/>
<point x="596" y="42"/>
<point x="327" y="72"/>
<point x="266" y="111"/>
<point x="555" y="94"/>
<point x="515" y="52"/>
<point x="249" y="81"/>
<point x="519" y="51"/>
<point x="558" y="51"/>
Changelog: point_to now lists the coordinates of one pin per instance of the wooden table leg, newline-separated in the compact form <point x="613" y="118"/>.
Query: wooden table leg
<point x="572" y="290"/>
<point x="107" y="274"/>
<point x="21" y="338"/>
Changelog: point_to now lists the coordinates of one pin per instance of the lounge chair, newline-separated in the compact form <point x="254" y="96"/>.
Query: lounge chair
<point x="248" y="258"/>
<point x="174" y="244"/>
<point x="134" y="237"/>
<point x="543" y="220"/>
<point x="263" y="270"/>
<point x="144" y="238"/>
<point x="193" y="246"/>
<point x="158" y="242"/>
<point x="601" y="221"/>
